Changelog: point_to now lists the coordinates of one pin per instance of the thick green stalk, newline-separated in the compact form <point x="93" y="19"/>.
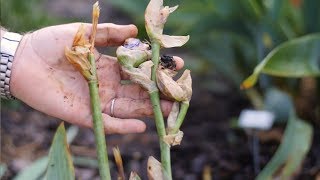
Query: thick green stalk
<point x="155" y="59"/>
<point x="155" y="100"/>
<point x="98" y="126"/>
<point x="180" y="118"/>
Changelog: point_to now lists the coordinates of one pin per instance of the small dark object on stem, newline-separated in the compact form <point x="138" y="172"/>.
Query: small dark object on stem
<point x="167" y="62"/>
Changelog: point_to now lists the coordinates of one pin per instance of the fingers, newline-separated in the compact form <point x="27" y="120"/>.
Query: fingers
<point x="136" y="108"/>
<point x="109" y="34"/>
<point x="179" y="65"/>
<point x="179" y="62"/>
<point x="122" y="126"/>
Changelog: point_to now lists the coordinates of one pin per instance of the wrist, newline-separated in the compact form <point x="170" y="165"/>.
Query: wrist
<point x="9" y="44"/>
<point x="21" y="67"/>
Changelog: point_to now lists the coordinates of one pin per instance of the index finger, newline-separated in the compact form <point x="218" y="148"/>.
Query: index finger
<point x="109" y="34"/>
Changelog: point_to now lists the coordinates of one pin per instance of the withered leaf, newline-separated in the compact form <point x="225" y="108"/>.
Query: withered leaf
<point x="173" y="41"/>
<point x="80" y="38"/>
<point x="168" y="86"/>
<point x="146" y="68"/>
<point x="137" y="76"/>
<point x="154" y="169"/>
<point x="78" y="58"/>
<point x="185" y="82"/>
<point x="172" y="118"/>
<point x="180" y="90"/>
<point x="173" y="139"/>
<point x="78" y="54"/>
<point x="155" y="17"/>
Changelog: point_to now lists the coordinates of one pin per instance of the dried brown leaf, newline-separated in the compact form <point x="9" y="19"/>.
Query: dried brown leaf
<point x="118" y="159"/>
<point x="180" y="90"/>
<point x="173" y="139"/>
<point x="146" y="68"/>
<point x="154" y="169"/>
<point x="78" y="54"/>
<point x="95" y="18"/>
<point x="185" y="82"/>
<point x="168" y="86"/>
<point x="172" y="118"/>
<point x="80" y="38"/>
<point x="173" y="41"/>
<point x="78" y="58"/>
<point x="155" y="17"/>
<point x="137" y="76"/>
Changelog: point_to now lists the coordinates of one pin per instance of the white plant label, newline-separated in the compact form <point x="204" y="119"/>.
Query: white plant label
<point x="255" y="119"/>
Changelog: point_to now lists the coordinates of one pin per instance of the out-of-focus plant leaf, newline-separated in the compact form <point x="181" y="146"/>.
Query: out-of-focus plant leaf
<point x="311" y="14"/>
<point x="291" y="152"/>
<point x="35" y="171"/>
<point x="280" y="19"/>
<point x="279" y="103"/>
<point x="22" y="16"/>
<point x="11" y="104"/>
<point x="296" y="58"/>
<point x="223" y="56"/>
<point x="85" y="162"/>
<point x="60" y="164"/>
<point x="72" y="132"/>
<point x="3" y="169"/>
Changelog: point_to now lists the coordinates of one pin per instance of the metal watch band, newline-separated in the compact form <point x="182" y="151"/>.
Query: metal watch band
<point x="9" y="45"/>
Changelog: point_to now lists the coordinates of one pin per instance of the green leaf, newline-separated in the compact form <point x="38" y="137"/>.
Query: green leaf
<point x="311" y="15"/>
<point x="3" y="169"/>
<point x="291" y="152"/>
<point x="279" y="103"/>
<point x="37" y="169"/>
<point x="296" y="58"/>
<point x="60" y="163"/>
<point x="34" y="171"/>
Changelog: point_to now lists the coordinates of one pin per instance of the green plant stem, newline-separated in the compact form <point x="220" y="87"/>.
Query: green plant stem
<point x="180" y="118"/>
<point x="98" y="126"/>
<point x="155" y="100"/>
<point x="155" y="59"/>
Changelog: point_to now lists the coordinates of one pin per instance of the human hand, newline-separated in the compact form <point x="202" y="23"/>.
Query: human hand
<point x="44" y="79"/>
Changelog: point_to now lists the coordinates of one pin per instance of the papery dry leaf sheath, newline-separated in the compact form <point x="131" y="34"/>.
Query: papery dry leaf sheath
<point x="155" y="17"/>
<point x="78" y="54"/>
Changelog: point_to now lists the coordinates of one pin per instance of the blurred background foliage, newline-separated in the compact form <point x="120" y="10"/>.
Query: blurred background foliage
<point x="228" y="38"/>
<point x="24" y="15"/>
<point x="231" y="37"/>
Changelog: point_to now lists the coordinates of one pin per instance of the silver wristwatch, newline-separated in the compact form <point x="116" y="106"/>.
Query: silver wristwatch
<point x="9" y="45"/>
